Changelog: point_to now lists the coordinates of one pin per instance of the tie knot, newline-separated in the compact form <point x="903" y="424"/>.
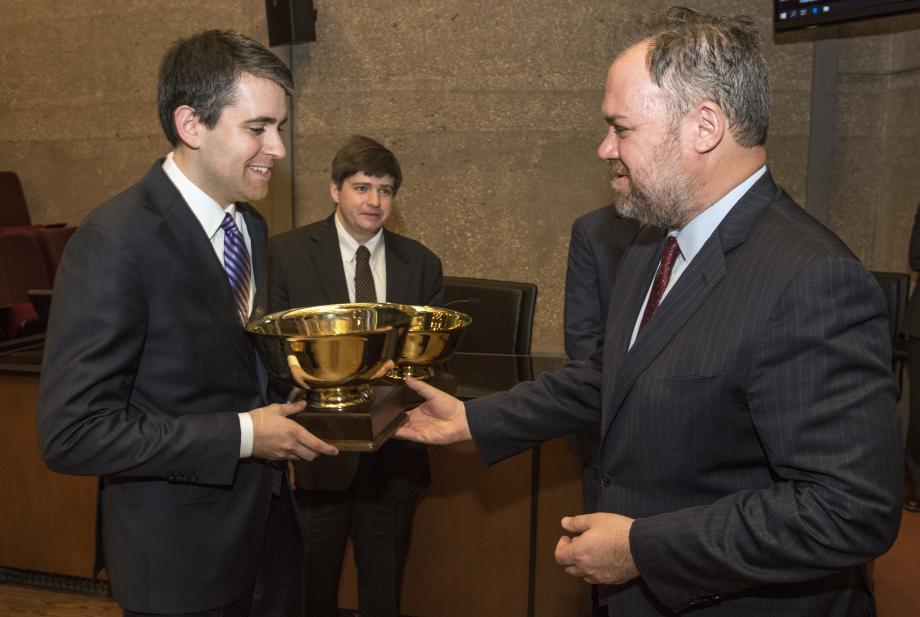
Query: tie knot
<point x="362" y="254"/>
<point x="229" y="225"/>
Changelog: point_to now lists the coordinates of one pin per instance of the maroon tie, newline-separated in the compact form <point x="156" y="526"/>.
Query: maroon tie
<point x="668" y="255"/>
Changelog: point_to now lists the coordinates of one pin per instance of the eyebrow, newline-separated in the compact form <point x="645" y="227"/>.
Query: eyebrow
<point x="368" y="182"/>
<point x="265" y="120"/>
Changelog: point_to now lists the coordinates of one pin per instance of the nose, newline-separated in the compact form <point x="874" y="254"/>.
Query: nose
<point x="274" y="145"/>
<point x="373" y="198"/>
<point x="609" y="149"/>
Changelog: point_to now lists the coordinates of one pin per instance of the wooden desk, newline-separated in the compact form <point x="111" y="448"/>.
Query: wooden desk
<point x="48" y="520"/>
<point x="482" y="541"/>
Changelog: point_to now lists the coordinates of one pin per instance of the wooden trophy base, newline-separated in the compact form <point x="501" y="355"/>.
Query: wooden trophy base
<point x="358" y="428"/>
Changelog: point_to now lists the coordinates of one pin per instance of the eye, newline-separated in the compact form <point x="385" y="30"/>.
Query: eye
<point x="386" y="191"/>
<point x="360" y="188"/>
<point x="257" y="130"/>
<point x="620" y="130"/>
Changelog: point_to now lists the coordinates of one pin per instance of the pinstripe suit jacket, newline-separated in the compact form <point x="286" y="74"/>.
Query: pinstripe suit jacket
<point x="751" y="429"/>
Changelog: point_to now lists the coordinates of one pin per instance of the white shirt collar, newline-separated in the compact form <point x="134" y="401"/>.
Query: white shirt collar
<point x="208" y="212"/>
<point x="348" y="245"/>
<point x="694" y="235"/>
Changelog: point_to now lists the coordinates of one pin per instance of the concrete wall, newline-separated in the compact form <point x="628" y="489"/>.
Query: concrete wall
<point x="491" y="106"/>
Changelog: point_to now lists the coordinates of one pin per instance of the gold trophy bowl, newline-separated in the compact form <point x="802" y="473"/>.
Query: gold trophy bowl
<point x="434" y="334"/>
<point x="333" y="353"/>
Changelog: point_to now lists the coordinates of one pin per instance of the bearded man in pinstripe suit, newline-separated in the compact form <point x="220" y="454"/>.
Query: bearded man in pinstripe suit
<point x="750" y="462"/>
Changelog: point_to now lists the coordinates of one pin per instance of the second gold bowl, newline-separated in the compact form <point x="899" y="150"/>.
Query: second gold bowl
<point x="434" y="334"/>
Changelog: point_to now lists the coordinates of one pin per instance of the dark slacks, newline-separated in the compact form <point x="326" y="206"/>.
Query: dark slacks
<point x="379" y="526"/>
<point x="278" y="588"/>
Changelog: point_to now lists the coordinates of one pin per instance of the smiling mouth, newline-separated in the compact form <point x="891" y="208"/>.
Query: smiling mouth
<point x="261" y="170"/>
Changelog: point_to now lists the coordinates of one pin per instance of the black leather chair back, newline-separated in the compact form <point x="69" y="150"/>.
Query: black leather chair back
<point x="896" y="286"/>
<point x="502" y="313"/>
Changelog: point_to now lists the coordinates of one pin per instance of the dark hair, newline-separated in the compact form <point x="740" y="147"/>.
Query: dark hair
<point x="695" y="57"/>
<point x="202" y="71"/>
<point x="362" y="154"/>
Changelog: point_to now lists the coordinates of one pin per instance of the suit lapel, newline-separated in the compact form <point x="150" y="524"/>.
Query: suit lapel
<point x="635" y="275"/>
<point x="691" y="290"/>
<point x="397" y="261"/>
<point x="182" y="232"/>
<point x="323" y="247"/>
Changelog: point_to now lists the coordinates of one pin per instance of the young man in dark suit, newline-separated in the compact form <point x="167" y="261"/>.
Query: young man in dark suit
<point x="149" y="378"/>
<point x="750" y="454"/>
<point x="369" y="497"/>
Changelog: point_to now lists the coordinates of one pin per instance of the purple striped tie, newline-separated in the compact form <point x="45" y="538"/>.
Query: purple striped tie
<point x="236" y="263"/>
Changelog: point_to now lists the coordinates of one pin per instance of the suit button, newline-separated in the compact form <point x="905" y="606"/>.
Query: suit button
<point x="605" y="480"/>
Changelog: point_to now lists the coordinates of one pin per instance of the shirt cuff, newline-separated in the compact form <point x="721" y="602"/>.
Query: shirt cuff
<point x="245" y="435"/>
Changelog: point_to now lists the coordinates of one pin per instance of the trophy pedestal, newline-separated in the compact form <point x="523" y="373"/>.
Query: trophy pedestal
<point x="359" y="428"/>
<point x="365" y="427"/>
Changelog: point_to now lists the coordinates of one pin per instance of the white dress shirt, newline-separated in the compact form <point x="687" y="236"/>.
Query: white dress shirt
<point x="348" y="246"/>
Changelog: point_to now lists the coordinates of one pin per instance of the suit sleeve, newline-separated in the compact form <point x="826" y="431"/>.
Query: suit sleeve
<point x="95" y="343"/>
<point x="584" y="323"/>
<point x="506" y="423"/>
<point x="821" y="399"/>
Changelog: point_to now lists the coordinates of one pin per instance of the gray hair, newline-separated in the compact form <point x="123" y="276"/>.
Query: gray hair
<point x="694" y="57"/>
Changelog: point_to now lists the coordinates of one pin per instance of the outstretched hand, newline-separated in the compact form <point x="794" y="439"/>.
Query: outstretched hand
<point x="440" y="419"/>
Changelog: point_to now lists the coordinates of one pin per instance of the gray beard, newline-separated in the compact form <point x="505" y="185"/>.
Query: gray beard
<point x="664" y="211"/>
<point x="665" y="206"/>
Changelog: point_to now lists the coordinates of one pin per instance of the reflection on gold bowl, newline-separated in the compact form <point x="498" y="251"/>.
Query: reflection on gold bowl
<point x="433" y="337"/>
<point x="332" y="351"/>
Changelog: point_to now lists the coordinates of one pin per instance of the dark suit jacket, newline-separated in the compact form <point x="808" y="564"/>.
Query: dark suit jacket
<point x="751" y="430"/>
<point x="307" y="270"/>
<point x="146" y="366"/>
<point x="599" y="239"/>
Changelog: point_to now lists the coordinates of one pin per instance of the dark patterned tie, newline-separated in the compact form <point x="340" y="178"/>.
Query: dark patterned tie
<point x="364" y="278"/>
<point x="668" y="255"/>
<point x="236" y="263"/>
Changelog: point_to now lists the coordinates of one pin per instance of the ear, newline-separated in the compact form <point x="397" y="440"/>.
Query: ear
<point x="334" y="191"/>
<point x="710" y="128"/>
<point x="188" y="126"/>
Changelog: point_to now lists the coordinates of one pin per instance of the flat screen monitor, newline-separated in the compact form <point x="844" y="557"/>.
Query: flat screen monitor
<point x="796" y="14"/>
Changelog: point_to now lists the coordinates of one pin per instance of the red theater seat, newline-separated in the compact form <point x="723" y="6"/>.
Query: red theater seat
<point x="13" y="209"/>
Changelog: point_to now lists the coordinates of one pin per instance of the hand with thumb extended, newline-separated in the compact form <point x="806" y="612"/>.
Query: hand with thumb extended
<point x="276" y="437"/>
<point x="440" y="419"/>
